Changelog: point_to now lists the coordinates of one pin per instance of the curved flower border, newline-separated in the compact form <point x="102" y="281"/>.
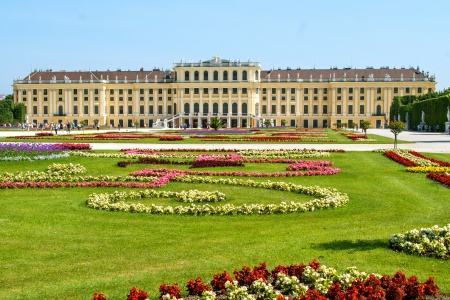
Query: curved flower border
<point x="328" y="198"/>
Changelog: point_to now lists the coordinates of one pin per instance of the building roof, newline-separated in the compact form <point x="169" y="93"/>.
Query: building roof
<point x="345" y="74"/>
<point x="98" y="76"/>
<point x="156" y="75"/>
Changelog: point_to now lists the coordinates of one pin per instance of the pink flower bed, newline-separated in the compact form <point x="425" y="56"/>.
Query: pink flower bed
<point x="316" y="170"/>
<point x="148" y="151"/>
<point x="218" y="160"/>
<point x="73" y="146"/>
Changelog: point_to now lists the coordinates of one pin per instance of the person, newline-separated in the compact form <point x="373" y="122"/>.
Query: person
<point x="437" y="128"/>
<point x="56" y="129"/>
<point x="185" y="126"/>
<point x="118" y="126"/>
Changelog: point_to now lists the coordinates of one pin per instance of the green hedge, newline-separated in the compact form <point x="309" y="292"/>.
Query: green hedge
<point x="435" y="111"/>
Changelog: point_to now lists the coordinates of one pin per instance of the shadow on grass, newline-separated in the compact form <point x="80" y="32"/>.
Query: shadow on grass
<point x="348" y="245"/>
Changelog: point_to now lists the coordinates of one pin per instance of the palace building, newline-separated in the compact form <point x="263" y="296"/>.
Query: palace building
<point x="240" y="92"/>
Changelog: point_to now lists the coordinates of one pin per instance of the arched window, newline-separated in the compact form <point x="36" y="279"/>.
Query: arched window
<point x="225" y="108"/>
<point x="244" y="75"/>
<point x="234" y="75"/>
<point x="378" y="109"/>
<point x="205" y="108"/>
<point x="196" y="107"/>
<point x="60" y="110"/>
<point x="205" y="75"/>
<point x="216" y="75"/>
<point x="234" y="108"/>
<point x="215" y="108"/>
<point x="196" y="76"/>
<point x="225" y="75"/>
<point x="244" y="108"/>
<point x="186" y="76"/>
<point x="186" y="108"/>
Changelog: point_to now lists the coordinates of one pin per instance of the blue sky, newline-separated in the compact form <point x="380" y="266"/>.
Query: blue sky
<point x="134" y="34"/>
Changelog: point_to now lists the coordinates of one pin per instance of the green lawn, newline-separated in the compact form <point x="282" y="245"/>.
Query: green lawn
<point x="53" y="247"/>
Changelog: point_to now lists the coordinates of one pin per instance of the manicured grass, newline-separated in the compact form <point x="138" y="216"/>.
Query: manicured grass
<point x="53" y="247"/>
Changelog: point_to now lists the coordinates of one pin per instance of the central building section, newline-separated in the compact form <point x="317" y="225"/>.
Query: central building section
<point x="217" y="87"/>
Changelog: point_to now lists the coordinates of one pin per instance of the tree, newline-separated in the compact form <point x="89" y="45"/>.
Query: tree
<point x="283" y="122"/>
<point x="267" y="123"/>
<point x="6" y="111"/>
<point x="396" y="128"/>
<point x="216" y="123"/>
<point x="364" y="126"/>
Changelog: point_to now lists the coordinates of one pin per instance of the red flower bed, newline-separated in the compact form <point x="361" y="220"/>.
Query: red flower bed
<point x="213" y="137"/>
<point x="439" y="177"/>
<point x="197" y="287"/>
<point x="48" y="133"/>
<point x="172" y="290"/>
<point x="171" y="138"/>
<point x="385" y="288"/>
<point x="439" y="162"/>
<point x="397" y="158"/>
<point x="354" y="136"/>
<point x="70" y="146"/>
<point x="246" y="276"/>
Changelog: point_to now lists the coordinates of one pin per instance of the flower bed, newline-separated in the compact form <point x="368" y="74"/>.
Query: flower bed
<point x="434" y="242"/>
<point x="76" y="147"/>
<point x="428" y="169"/>
<point x="328" y="198"/>
<point x="411" y="158"/>
<point x="218" y="160"/>
<point x="304" y="282"/>
<point x="441" y="178"/>
<point x="146" y="151"/>
<point x="44" y="133"/>
<point x="31" y="151"/>
<point x="171" y="138"/>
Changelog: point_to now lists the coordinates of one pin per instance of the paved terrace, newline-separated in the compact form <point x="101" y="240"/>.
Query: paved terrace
<point x="430" y="142"/>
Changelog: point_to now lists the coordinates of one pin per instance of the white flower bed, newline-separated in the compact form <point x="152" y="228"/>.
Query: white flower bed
<point x="328" y="198"/>
<point x="434" y="241"/>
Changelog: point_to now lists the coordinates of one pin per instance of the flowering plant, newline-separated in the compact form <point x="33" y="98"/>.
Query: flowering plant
<point x="170" y="292"/>
<point x="434" y="241"/>
<point x="442" y="178"/>
<point x="317" y="282"/>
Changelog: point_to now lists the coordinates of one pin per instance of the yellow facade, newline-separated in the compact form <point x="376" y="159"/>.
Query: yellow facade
<point x="239" y="92"/>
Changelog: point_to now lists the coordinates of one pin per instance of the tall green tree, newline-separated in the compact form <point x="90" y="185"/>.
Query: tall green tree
<point x="396" y="128"/>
